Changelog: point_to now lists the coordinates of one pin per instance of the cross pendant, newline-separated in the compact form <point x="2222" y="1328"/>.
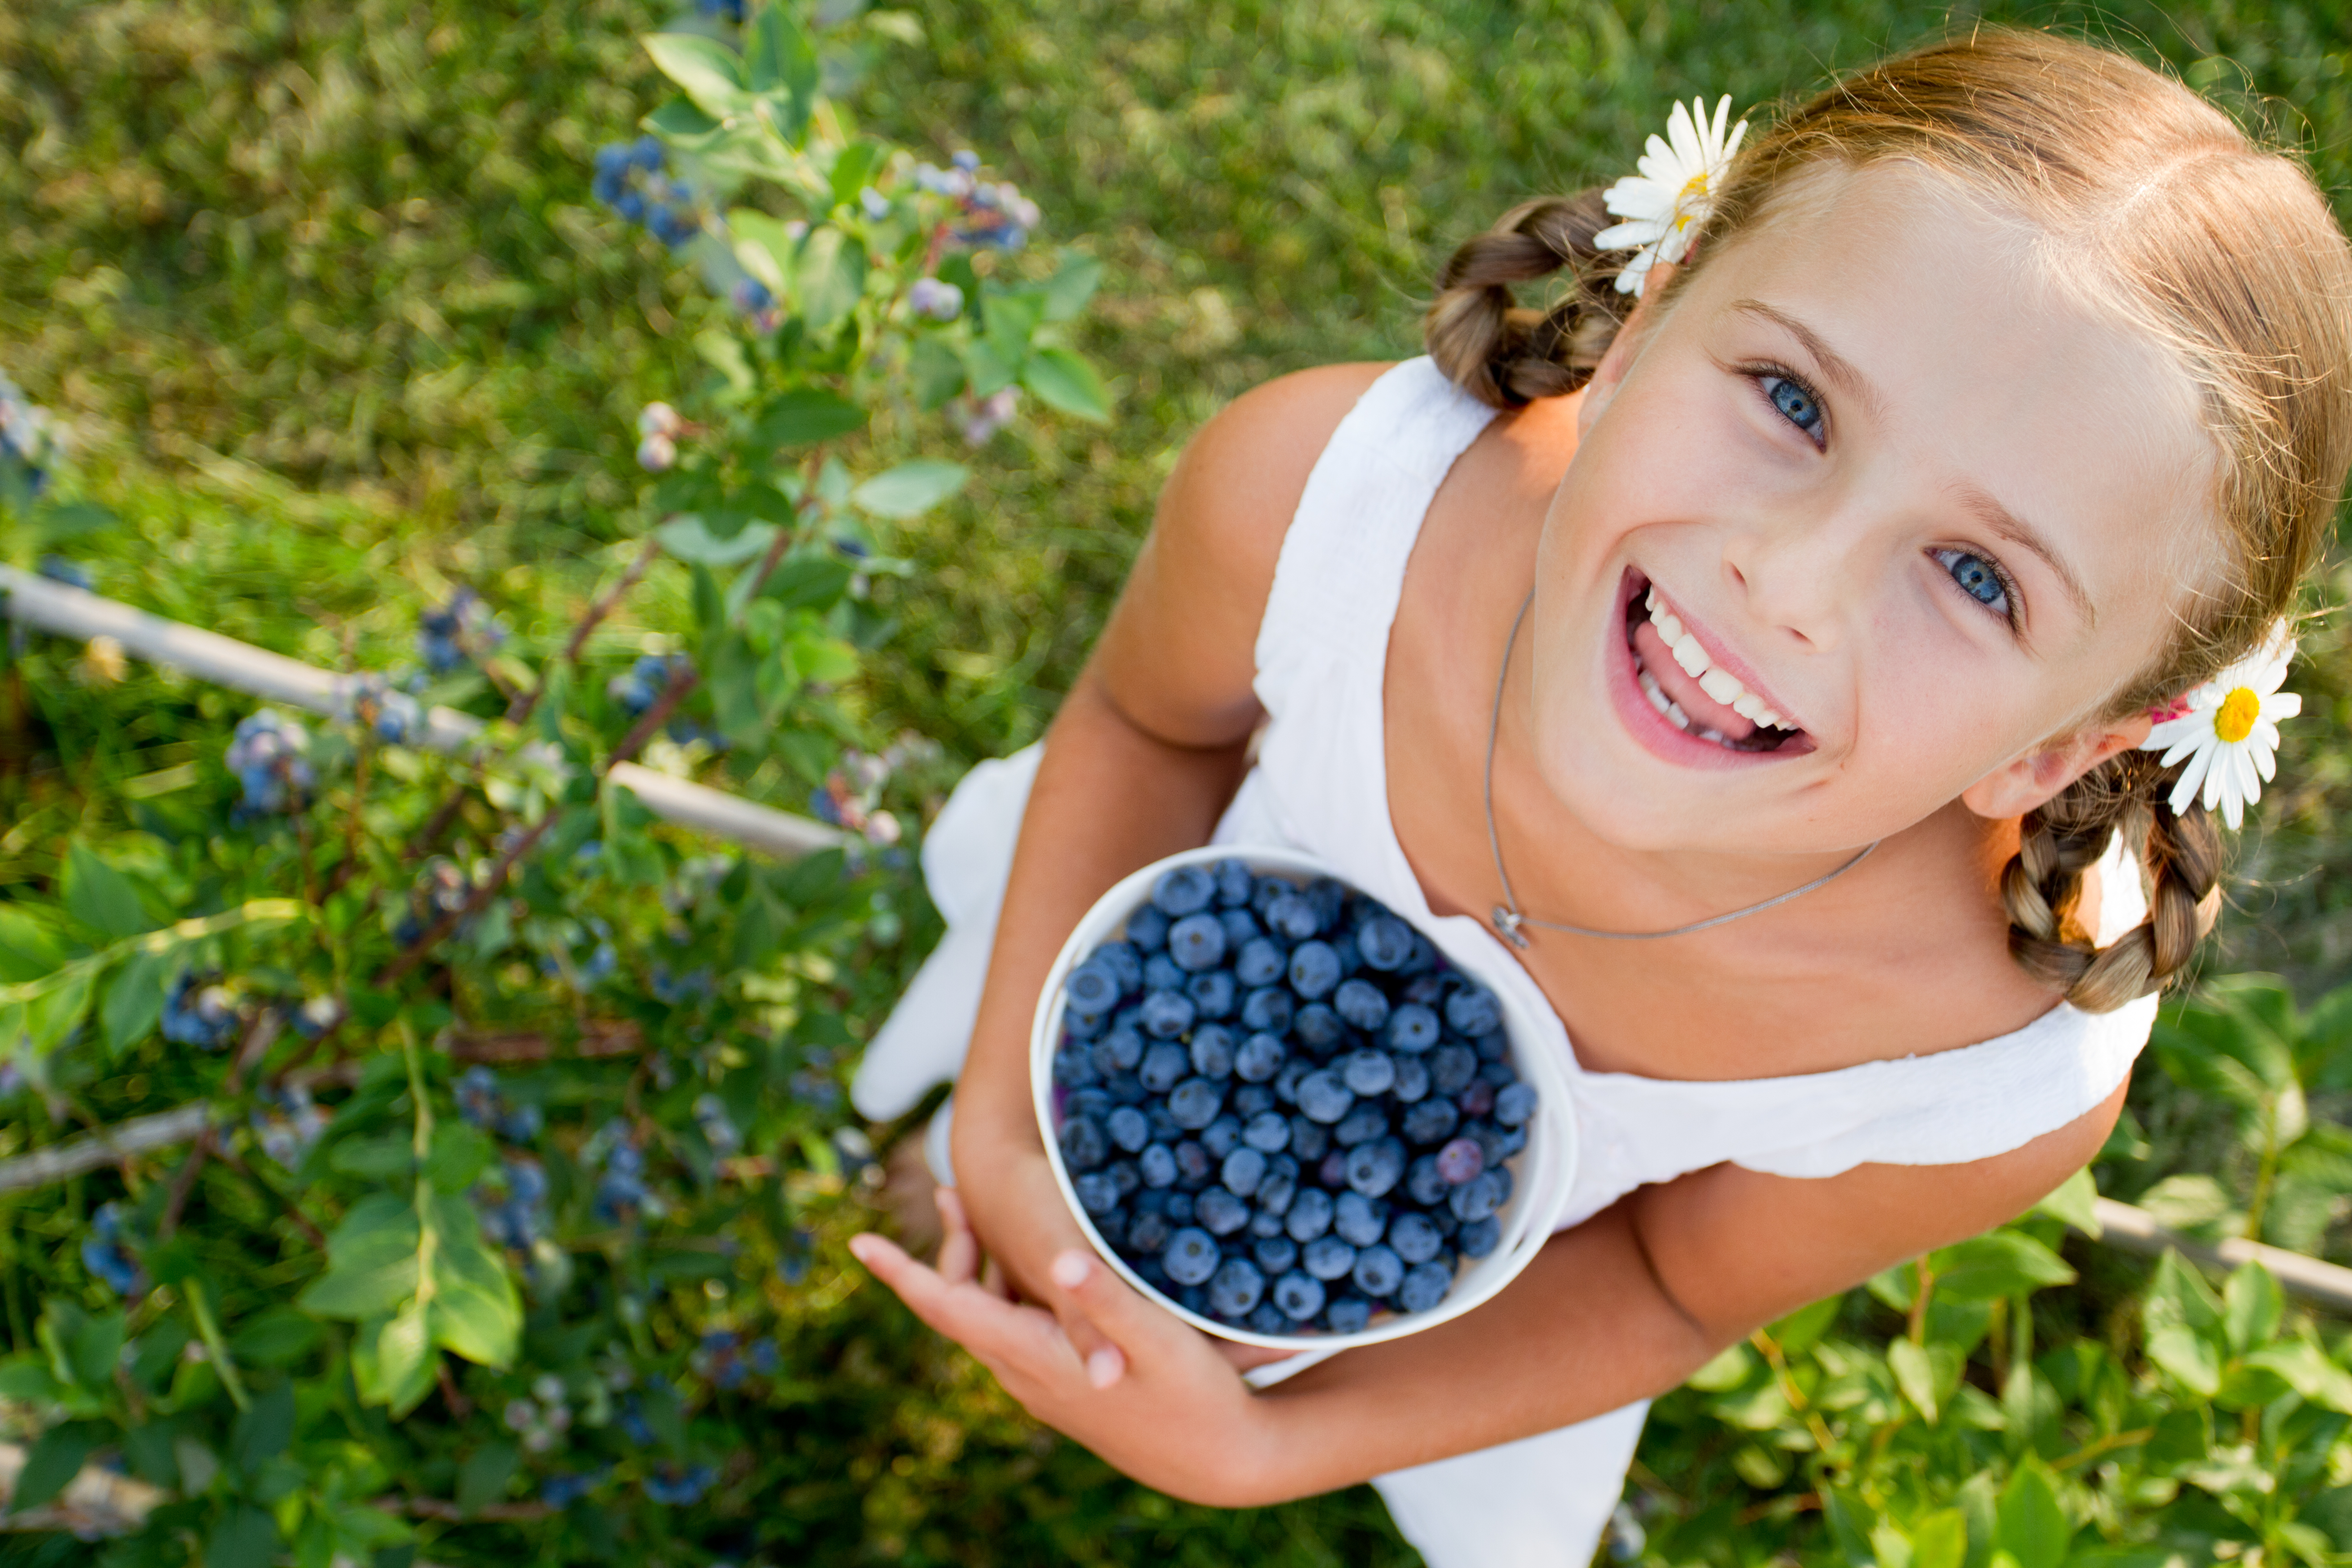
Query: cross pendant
<point x="1508" y="921"/>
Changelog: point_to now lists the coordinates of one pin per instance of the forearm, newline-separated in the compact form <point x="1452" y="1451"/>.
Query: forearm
<point x="1108" y="797"/>
<point x="1585" y="1330"/>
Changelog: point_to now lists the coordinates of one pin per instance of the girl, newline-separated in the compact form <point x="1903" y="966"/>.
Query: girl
<point x="1999" y="398"/>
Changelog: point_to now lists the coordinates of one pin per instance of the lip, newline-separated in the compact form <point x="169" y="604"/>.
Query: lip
<point x="1654" y="733"/>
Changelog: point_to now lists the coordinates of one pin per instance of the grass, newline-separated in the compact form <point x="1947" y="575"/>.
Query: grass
<point x="321" y="287"/>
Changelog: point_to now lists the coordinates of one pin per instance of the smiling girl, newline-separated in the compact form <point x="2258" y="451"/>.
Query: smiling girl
<point x="1758" y="684"/>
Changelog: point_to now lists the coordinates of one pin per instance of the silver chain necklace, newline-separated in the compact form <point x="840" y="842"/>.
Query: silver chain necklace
<point x="1506" y="916"/>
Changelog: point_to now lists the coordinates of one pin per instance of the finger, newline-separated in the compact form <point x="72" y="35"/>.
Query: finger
<point x="959" y="1248"/>
<point x="1127" y="1322"/>
<point x="993" y="1329"/>
<point x="993" y="1280"/>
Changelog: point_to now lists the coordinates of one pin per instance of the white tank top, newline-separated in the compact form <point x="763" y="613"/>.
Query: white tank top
<point x="1320" y="783"/>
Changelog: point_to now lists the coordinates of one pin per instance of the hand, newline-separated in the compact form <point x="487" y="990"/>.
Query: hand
<point x="1149" y="1394"/>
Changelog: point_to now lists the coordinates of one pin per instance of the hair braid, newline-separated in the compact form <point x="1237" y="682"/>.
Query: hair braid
<point x="2043" y="882"/>
<point x="1502" y="352"/>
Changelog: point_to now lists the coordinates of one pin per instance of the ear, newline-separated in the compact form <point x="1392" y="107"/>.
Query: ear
<point x="1623" y="348"/>
<point x="2035" y="778"/>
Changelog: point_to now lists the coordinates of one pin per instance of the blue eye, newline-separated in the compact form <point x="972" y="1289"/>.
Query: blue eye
<point x="1796" y="404"/>
<point x="1978" y="578"/>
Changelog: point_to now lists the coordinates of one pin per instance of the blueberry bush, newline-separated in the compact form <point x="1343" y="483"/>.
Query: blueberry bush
<point x="380" y="336"/>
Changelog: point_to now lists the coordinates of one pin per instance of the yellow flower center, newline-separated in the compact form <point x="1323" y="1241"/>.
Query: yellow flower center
<point x="1694" y="186"/>
<point x="2234" y="719"/>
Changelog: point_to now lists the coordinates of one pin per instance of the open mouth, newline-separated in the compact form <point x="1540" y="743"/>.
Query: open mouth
<point x="1690" y="690"/>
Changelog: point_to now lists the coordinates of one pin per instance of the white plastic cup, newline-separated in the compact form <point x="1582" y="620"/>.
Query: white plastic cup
<point x="1542" y="1173"/>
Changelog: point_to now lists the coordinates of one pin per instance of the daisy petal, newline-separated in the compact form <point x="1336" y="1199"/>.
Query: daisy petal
<point x="2282" y="705"/>
<point x="2184" y="789"/>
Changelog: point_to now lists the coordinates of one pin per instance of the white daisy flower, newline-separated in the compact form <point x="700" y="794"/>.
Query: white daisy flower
<point x="2228" y="731"/>
<point x="1663" y="204"/>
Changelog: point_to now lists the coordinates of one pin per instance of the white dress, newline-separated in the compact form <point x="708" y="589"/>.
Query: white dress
<point x="1320" y="785"/>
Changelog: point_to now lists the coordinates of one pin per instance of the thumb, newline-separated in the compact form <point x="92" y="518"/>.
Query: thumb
<point x="1125" y="1318"/>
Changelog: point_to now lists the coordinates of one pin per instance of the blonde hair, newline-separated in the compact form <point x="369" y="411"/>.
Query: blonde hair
<point x="2174" y="221"/>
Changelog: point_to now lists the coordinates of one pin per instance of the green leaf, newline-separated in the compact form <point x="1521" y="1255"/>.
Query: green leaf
<point x="134" y="999"/>
<point x="678" y="121"/>
<point x="986" y="369"/>
<point x="807" y="414"/>
<point x="2032" y="1525"/>
<point x="937" y="371"/>
<point x="2187" y="1201"/>
<point x="1728" y="1371"/>
<point x="2250" y="1307"/>
<point x="459" y="1154"/>
<point x="1011" y="320"/>
<point x="95" y="1349"/>
<point x="371" y="1262"/>
<point x="483" y="1478"/>
<point x="767" y="250"/>
<point x="29" y="946"/>
<point x="375" y="1159"/>
<point x="2074" y="1201"/>
<point x="1797" y="1332"/>
<point x="27" y="1377"/>
<point x="274" y="1336"/>
<point x="264" y="1429"/>
<point x="909" y="489"/>
<point x="476" y="1311"/>
<point x="2305" y="1367"/>
<point x="832" y="278"/>
<point x="60" y="520"/>
<point x="705" y="70"/>
<point x="709" y="604"/>
<point x="1070" y="287"/>
<point x="2188" y="1357"/>
<point x="1940" y="1539"/>
<point x="1064" y="381"/>
<point x="243" y="1537"/>
<point x="100" y="897"/>
<point x="780" y="66"/>
<point x="54" y="1461"/>
<point x="405" y="1359"/>
<point x="689" y="540"/>
<point x="810" y="582"/>
<point x="1914" y="1375"/>
<point x="853" y="169"/>
<point x="2001" y="1263"/>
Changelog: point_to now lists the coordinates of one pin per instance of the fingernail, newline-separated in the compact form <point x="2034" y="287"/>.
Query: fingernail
<point x="1105" y="1367"/>
<point x="1070" y="1269"/>
<point x="859" y="1246"/>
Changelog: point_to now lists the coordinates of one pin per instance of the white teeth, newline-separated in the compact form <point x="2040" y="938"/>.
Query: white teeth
<point x="1718" y="683"/>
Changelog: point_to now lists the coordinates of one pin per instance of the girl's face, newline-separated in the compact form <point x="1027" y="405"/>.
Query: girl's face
<point x="1874" y="512"/>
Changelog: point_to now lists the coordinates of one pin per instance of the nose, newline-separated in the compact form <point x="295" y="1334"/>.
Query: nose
<point x="1797" y="567"/>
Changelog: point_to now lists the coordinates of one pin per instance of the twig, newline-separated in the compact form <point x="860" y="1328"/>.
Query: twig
<point x="311" y="1232"/>
<point x="442" y="1508"/>
<point x="110" y="1145"/>
<point x="257" y="1043"/>
<point x="183" y="1184"/>
<point x="451" y="1395"/>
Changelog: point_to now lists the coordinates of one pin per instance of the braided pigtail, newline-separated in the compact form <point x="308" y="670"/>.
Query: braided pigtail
<point x="1502" y="352"/>
<point x="2181" y="856"/>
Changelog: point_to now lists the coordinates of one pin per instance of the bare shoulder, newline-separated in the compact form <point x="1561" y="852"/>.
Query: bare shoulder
<point x="1178" y="656"/>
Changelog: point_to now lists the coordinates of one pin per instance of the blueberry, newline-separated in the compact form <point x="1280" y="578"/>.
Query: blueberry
<point x="1310" y="1140"/>
<point x="1286" y="1081"/>
<point x="1367" y="1072"/>
<point x="1268" y="1319"/>
<point x="1268" y="1132"/>
<point x="1508" y="1141"/>
<point x="1498" y="1072"/>
<point x="1423" y="959"/>
<point x="1263" y="1225"/>
<point x="1359" y="1219"/>
<point x="1241" y="929"/>
<point x="1474" y="1011"/>
<point x="1164" y="1127"/>
<point x="1349" y="959"/>
<point x="1124" y="1045"/>
<point x="1310" y="1215"/>
<point x="1191" y="1256"/>
<point x="1147" y="1234"/>
<point x="1275" y="1255"/>
<point x="1452" y="1069"/>
<point x="1415" y="1237"/>
<point x="1253" y="1099"/>
<point x="1161" y="973"/>
<point x="1279" y="1189"/>
<point x="1221" y="1136"/>
<point x="1083" y="1145"/>
<point x="1214" y="994"/>
<point x="1262" y="962"/>
<point x="1314" y="969"/>
<point x="1213" y="1051"/>
<point x="1347" y="1315"/>
<point x="1461" y="1161"/>
<point x="1164" y="1066"/>
<point x="1180" y="1209"/>
<point x="1197" y="943"/>
<point x="1294" y="917"/>
<point x="1167" y="1014"/>
<point x="1425" y="1285"/>
<point x="1361" y="1002"/>
<point x="1264" y="890"/>
<point x="1513" y="1105"/>
<point x="1412" y="1028"/>
<point x="1097" y="1193"/>
<point x="1124" y="1175"/>
<point x="1366" y="1121"/>
<point x="1186" y="890"/>
<point x="1479" y="1237"/>
<point x="1092" y="987"/>
<point x="1194" y="1104"/>
<point x="1378" y="1271"/>
<point x="1157" y="1165"/>
<point x="1261" y="1057"/>
<point x="1123" y="961"/>
<point x="1221" y="1211"/>
<point x="1328" y="1257"/>
<point x="1146" y="930"/>
<point x="1494" y="1048"/>
<point x="1332" y="1171"/>
<point x="1375" y="1167"/>
<point x="1430" y="1122"/>
<point x="1234" y="883"/>
<point x="1126" y="1088"/>
<point x="1075" y="1068"/>
<point x="1385" y="942"/>
<point x="1269" y="1009"/>
<point x="1243" y="1169"/>
<point x="1318" y="1028"/>
<point x="1323" y="1097"/>
<point x="1478" y="1099"/>
<point x="1194" y="1166"/>
<point x="1479" y="1197"/>
<point x="1300" y="1296"/>
<point x="1083" y="1026"/>
<point x="1235" y="1288"/>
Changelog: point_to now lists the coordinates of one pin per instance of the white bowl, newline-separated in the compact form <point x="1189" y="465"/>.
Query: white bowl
<point x="1541" y="1173"/>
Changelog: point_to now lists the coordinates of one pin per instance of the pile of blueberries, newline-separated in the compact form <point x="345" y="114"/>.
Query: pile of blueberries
<point x="1282" y="1107"/>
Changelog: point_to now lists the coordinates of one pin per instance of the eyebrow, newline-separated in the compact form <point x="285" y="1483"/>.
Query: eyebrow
<point x="1977" y="501"/>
